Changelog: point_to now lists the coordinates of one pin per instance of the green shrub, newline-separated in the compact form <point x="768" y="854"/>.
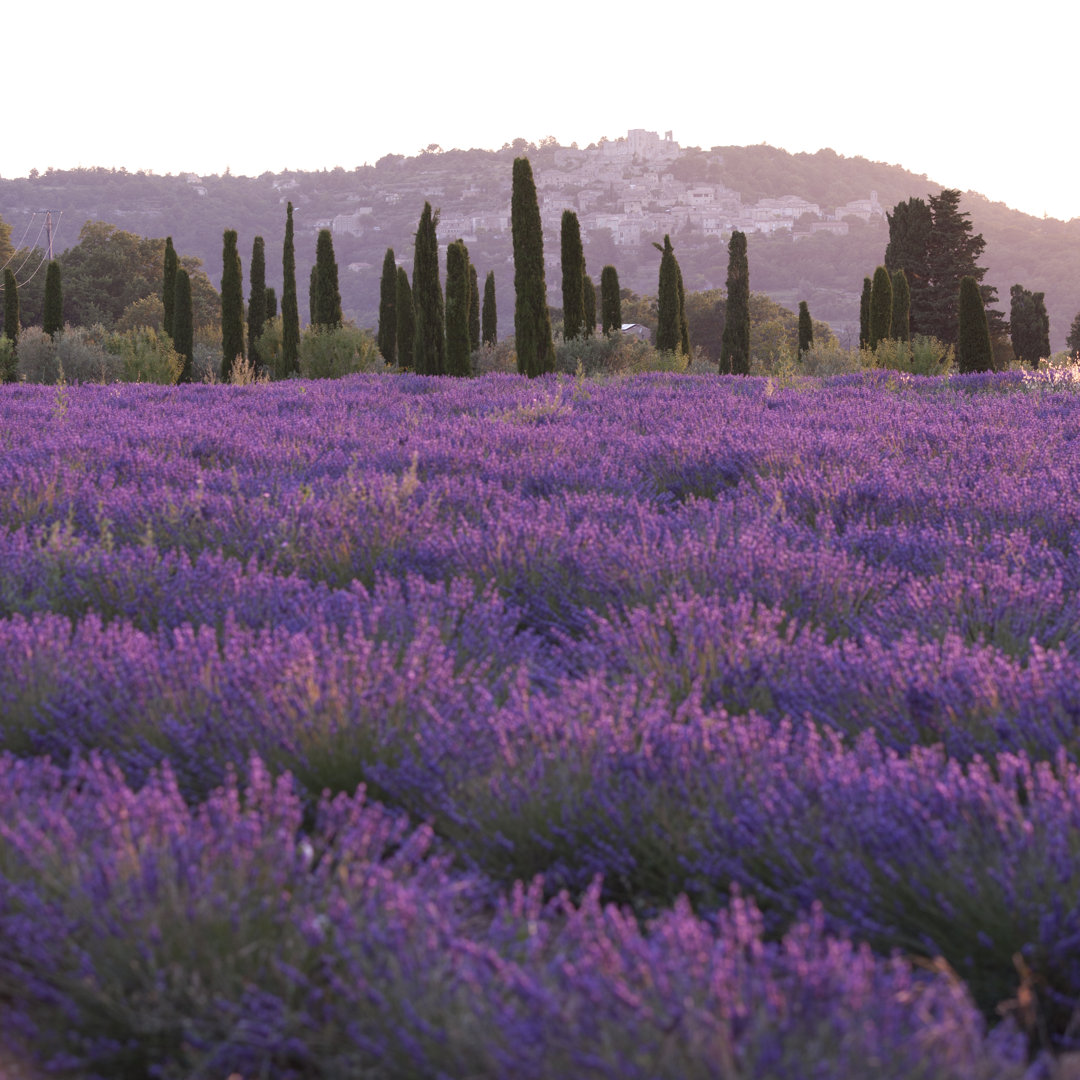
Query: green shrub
<point x="613" y="355"/>
<point x="271" y="349"/>
<point x="830" y="358"/>
<point x="330" y="353"/>
<point x="8" y="360"/>
<point x="144" y="356"/>
<point x="500" y="357"/>
<point x="920" y="356"/>
<point x="79" y="350"/>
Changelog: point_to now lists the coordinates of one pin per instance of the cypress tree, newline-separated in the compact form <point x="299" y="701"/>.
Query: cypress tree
<point x="610" y="301"/>
<point x="11" y="307"/>
<point x="880" y="306"/>
<point x="387" y="336"/>
<point x="910" y="226"/>
<point x="53" y="319"/>
<point x="532" y="323"/>
<point x="590" y="307"/>
<point x="668" y="334"/>
<point x="1029" y="324"/>
<point x="168" y="286"/>
<point x="290" y="312"/>
<point x="684" y="326"/>
<point x="183" y="323"/>
<point x="271" y="303"/>
<point x="328" y="298"/>
<point x="232" y="306"/>
<point x="489" y="318"/>
<point x="457" y="309"/>
<point x="429" y="341"/>
<point x="257" y="300"/>
<point x="735" y="343"/>
<point x="573" y="277"/>
<point x="864" y="313"/>
<point x="474" y="309"/>
<point x="406" y="323"/>
<point x="973" y="349"/>
<point x="806" y="329"/>
<point x="1072" y="340"/>
<point x="313" y="295"/>
<point x="900" y="323"/>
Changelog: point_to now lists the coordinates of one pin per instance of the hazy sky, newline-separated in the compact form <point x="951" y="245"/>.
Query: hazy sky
<point x="979" y="97"/>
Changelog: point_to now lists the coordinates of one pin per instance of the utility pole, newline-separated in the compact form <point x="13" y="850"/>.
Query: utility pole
<point x="49" y="227"/>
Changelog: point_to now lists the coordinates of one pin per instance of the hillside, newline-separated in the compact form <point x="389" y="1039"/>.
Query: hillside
<point x="625" y="200"/>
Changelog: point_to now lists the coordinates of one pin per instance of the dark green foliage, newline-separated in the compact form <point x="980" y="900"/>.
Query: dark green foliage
<point x="232" y="306"/>
<point x="806" y="328"/>
<point x="973" y="349"/>
<point x="910" y="226"/>
<point x="256" y="300"/>
<point x="880" y="307"/>
<point x="183" y="329"/>
<point x="313" y="295"/>
<point x="1072" y="342"/>
<point x="684" y="326"/>
<point x="328" y="299"/>
<point x="864" y="313"/>
<point x="489" y="316"/>
<point x="457" y="309"/>
<point x="387" y="336"/>
<point x="290" y="311"/>
<point x="590" y="307"/>
<point x="532" y="322"/>
<point x="1030" y="325"/>
<point x="474" y="309"/>
<point x="271" y="303"/>
<point x="900" y="325"/>
<point x="53" y="320"/>
<point x="406" y="323"/>
<point x="11" y="307"/>
<point x="573" y="277"/>
<point x="168" y="286"/>
<point x="429" y="341"/>
<point x="668" y="331"/>
<point x="735" y="346"/>
<point x="610" y="300"/>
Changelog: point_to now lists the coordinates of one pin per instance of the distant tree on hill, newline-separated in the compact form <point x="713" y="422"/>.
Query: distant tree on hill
<point x="387" y="335"/>
<point x="735" y="347"/>
<point x="573" y="277"/>
<point x="880" y="307"/>
<point x="489" y="316"/>
<point x="1030" y="325"/>
<point x="168" y="286"/>
<point x="256" y="300"/>
<point x="328" y="310"/>
<point x="864" y="313"/>
<point x="232" y="306"/>
<point x="183" y="328"/>
<point x="973" y="349"/>
<point x="406" y="323"/>
<point x="11" y="307"/>
<point x="429" y="341"/>
<point x="610" y="301"/>
<point x="900" y="324"/>
<point x="53" y="320"/>
<point x="532" y="322"/>
<point x="590" y="307"/>
<point x="806" y="328"/>
<point x="457" y="309"/>
<point x="290" y="312"/>
<point x="474" y="309"/>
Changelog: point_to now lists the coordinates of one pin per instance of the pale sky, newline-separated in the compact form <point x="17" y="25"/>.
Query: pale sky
<point x="980" y="97"/>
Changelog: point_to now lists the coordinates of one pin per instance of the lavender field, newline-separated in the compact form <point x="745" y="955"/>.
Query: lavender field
<point x="660" y="727"/>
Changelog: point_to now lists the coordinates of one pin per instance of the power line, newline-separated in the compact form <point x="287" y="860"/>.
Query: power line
<point x="46" y="225"/>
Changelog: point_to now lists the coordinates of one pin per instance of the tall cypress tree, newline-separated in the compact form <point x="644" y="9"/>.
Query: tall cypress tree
<point x="474" y="308"/>
<point x="973" y="349"/>
<point x="257" y="300"/>
<point x="271" y="303"/>
<point x="328" y="301"/>
<point x="532" y="322"/>
<point x="232" y="306"/>
<point x="910" y="226"/>
<point x="183" y="323"/>
<point x="900" y="323"/>
<point x="53" y="319"/>
<point x="290" y="311"/>
<point x="590" y="307"/>
<point x="406" y="323"/>
<point x="168" y="286"/>
<point x="668" y="335"/>
<point x="880" y="306"/>
<point x="429" y="341"/>
<point x="11" y="307"/>
<point x="457" y="309"/>
<point x="806" y="329"/>
<point x="573" y="277"/>
<point x="735" y="343"/>
<point x="313" y="296"/>
<point x="489" y="318"/>
<point x="610" y="301"/>
<point x="387" y="337"/>
<point x="684" y="326"/>
<point x="1072" y="340"/>
<point x="864" y="313"/>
